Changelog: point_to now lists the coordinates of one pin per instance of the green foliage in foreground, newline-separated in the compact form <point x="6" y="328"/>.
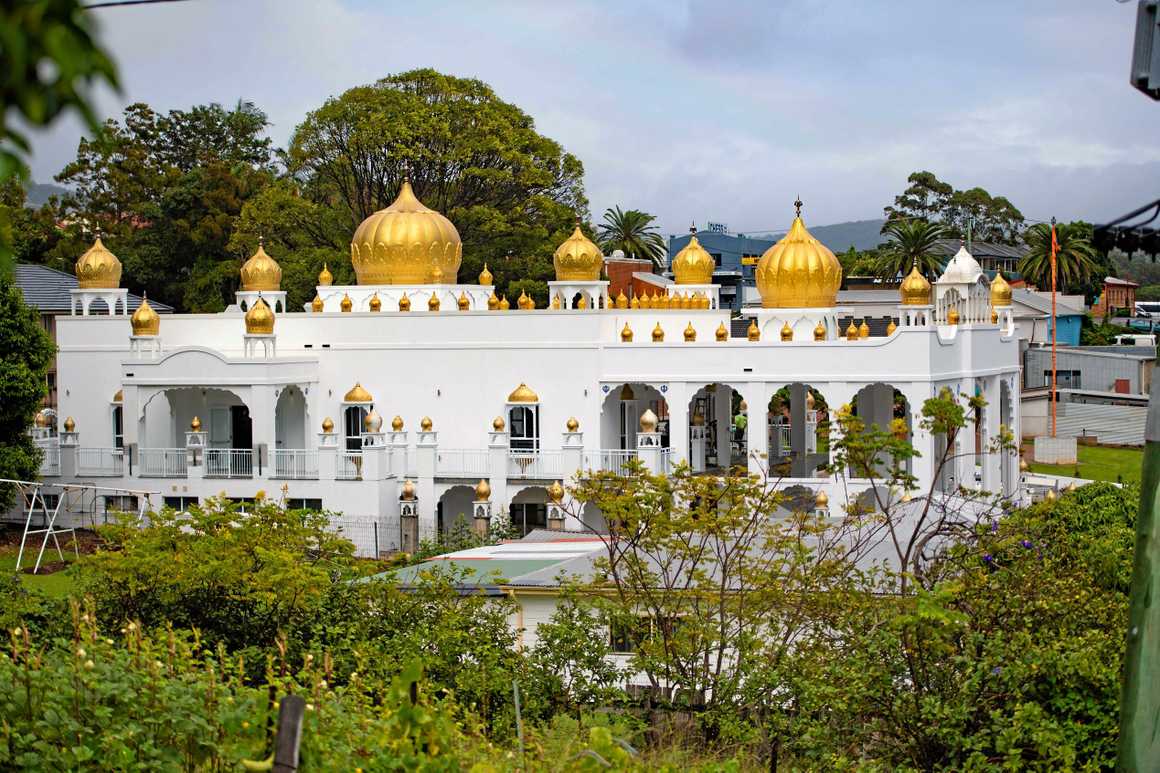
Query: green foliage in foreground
<point x="1100" y="463"/>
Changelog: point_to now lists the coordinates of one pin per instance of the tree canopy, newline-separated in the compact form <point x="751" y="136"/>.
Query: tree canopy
<point x="26" y="353"/>
<point x="632" y="232"/>
<point x="927" y="198"/>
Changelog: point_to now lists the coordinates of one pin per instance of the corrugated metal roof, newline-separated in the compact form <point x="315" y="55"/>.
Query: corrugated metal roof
<point x="948" y="247"/>
<point x="47" y="290"/>
<point x="1043" y="305"/>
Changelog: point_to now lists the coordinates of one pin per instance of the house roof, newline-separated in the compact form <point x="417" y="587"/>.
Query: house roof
<point x="948" y="247"/>
<point x="1043" y="305"/>
<point x="47" y="290"/>
<point x="1114" y="280"/>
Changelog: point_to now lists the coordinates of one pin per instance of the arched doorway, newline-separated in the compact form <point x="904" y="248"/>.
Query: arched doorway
<point x="798" y="417"/>
<point x="718" y="427"/>
<point x="620" y="416"/>
<point x="883" y="407"/>
<point x="453" y="512"/>
<point x="528" y="510"/>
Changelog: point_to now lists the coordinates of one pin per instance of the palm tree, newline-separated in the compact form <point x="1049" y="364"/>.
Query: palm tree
<point x="631" y="231"/>
<point x="911" y="242"/>
<point x="1075" y="262"/>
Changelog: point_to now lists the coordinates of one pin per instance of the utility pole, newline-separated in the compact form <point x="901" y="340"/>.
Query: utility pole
<point x="1054" y="324"/>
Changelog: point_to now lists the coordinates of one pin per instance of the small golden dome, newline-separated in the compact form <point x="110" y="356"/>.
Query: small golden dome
<point x="556" y="492"/>
<point x="70" y="424"/>
<point x="1069" y="487"/>
<point x="328" y="425"/>
<point x="405" y="303"/>
<point x="645" y="302"/>
<point x="397" y="424"/>
<point x="953" y="316"/>
<point x="1050" y="496"/>
<point x="482" y="490"/>
<point x="621" y="300"/>
<point x="690" y="332"/>
<point x="325" y="278"/>
<point x="1023" y="466"/>
<point x="811" y="401"/>
<point x="504" y="303"/>
<point x="358" y="394"/>
<point x="578" y="259"/>
<point x="433" y="302"/>
<point x="526" y="302"/>
<point x="120" y="396"/>
<point x="572" y="424"/>
<point x="347" y="304"/>
<point x="864" y="330"/>
<point x="754" y="332"/>
<point x="852" y="332"/>
<point x="145" y="321"/>
<point x="658" y="334"/>
<point x="523" y="394"/>
<point x="915" y="290"/>
<point x="376" y="303"/>
<point x="372" y="422"/>
<point x="722" y="332"/>
<point x="556" y="301"/>
<point x="786" y="332"/>
<point x="317" y="305"/>
<point x="98" y="269"/>
<point x="261" y="272"/>
<point x="1000" y="291"/>
<point x="820" y="331"/>
<point x="195" y="425"/>
<point x="583" y="302"/>
<point x="405" y="244"/>
<point x="464" y="303"/>
<point x="693" y="265"/>
<point x="798" y="271"/>
<point x="822" y="500"/>
<point x="260" y="318"/>
<point x="498" y="424"/>
<point x="493" y="301"/>
<point x="891" y="327"/>
<point x="408" y="491"/>
<point x="41" y="419"/>
<point x="634" y="303"/>
<point x="648" y="421"/>
<point x="426" y="424"/>
<point x="485" y="277"/>
<point x="626" y="334"/>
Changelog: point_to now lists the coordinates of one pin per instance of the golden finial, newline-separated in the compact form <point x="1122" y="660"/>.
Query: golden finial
<point x="786" y="332"/>
<point x="498" y="424"/>
<point x="433" y="302"/>
<point x="195" y="425"/>
<point x="556" y="492"/>
<point x="648" y="421"/>
<point x="852" y="332"/>
<point x="626" y="334"/>
<point x="797" y="207"/>
<point x="347" y="304"/>
<point x="325" y="278"/>
<point x="556" y="301"/>
<point x="316" y="305"/>
<point x="259" y="319"/>
<point x="953" y="316"/>
<point x="690" y="333"/>
<point x="754" y="332"/>
<point x="504" y="304"/>
<point x="994" y="316"/>
<point x="583" y="302"/>
<point x="820" y="331"/>
<point x="145" y="321"/>
<point x="822" y="500"/>
<point x="891" y="327"/>
<point x="485" y="277"/>
<point x="404" y="303"/>
<point x="634" y="303"/>
<point x="482" y="490"/>
<point x="864" y="330"/>
<point x="376" y="303"/>
<point x="464" y="302"/>
<point x="426" y="424"/>
<point x="621" y="300"/>
<point x="328" y="425"/>
<point x="722" y="332"/>
<point x="397" y="424"/>
<point x="572" y="425"/>
<point x="658" y="334"/>
<point x="492" y="301"/>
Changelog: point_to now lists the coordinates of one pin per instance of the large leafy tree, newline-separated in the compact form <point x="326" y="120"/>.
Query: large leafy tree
<point x="1077" y="261"/>
<point x="927" y="198"/>
<point x="479" y="160"/>
<point x="633" y="232"/>
<point x="26" y="353"/>
<point x="910" y="243"/>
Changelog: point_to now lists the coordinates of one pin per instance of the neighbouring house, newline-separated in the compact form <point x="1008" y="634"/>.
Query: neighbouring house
<point x="735" y="257"/>
<point x="1121" y="370"/>
<point x="1117" y="294"/>
<point x="1033" y="317"/>
<point x="991" y="256"/>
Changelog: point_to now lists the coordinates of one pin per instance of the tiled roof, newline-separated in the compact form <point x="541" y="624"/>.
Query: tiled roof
<point x="47" y="290"/>
<point x="948" y="247"/>
<point x="1043" y="305"/>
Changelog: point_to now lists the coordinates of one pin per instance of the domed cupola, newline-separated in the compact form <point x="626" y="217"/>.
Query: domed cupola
<point x="145" y="321"/>
<point x="798" y="271"/>
<point x="578" y="259"/>
<point x="961" y="269"/>
<point x="1000" y="291"/>
<point x="693" y="265"/>
<point x="260" y="319"/>
<point x="98" y="268"/>
<point x="406" y="244"/>
<point x="915" y="289"/>
<point x="261" y="272"/>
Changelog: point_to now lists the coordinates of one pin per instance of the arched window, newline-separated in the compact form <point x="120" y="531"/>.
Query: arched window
<point x="524" y="421"/>
<point x="118" y="427"/>
<point x="353" y="418"/>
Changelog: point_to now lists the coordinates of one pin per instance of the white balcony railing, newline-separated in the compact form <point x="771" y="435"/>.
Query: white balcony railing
<point x="614" y="460"/>
<point x="229" y="463"/>
<point x="348" y="466"/>
<point x="296" y="464"/>
<point x="100" y="462"/>
<point x="161" y="463"/>
<point x="50" y="462"/>
<point x="462" y="463"/>
<point x="780" y="437"/>
<point x="542" y="465"/>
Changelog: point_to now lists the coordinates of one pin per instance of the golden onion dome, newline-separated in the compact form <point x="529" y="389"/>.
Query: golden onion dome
<point x="325" y="278"/>
<point x="820" y="331"/>
<point x="406" y="243"/>
<point x="317" y="305"/>
<point x="433" y="302"/>
<point x="376" y="303"/>
<point x="578" y="259"/>
<point x="621" y="300"/>
<point x="464" y="303"/>
<point x="98" y="269"/>
<point x="626" y="334"/>
<point x="693" y="265"/>
<point x="690" y="333"/>
<point x="41" y="419"/>
<point x="485" y="277"/>
<point x="346" y="304"/>
<point x="648" y="421"/>
<point x="753" y="333"/>
<point x="852" y="332"/>
<point x="70" y="424"/>
<point x="372" y="422"/>
<point x="426" y="424"/>
<point x="658" y="334"/>
<point x="261" y="272"/>
<point x="492" y="301"/>
<point x="357" y="394"/>
<point x="890" y="328"/>
<point x="864" y="330"/>
<point x="504" y="303"/>
<point x="822" y="500"/>
<point x="408" y="492"/>
<point x="634" y="303"/>
<point x="397" y="424"/>
<point x="786" y="332"/>
<point x="1000" y="291"/>
<point x="145" y="321"/>
<point x="523" y="394"/>
<point x="328" y="425"/>
<point x="522" y="301"/>
<point x="915" y="290"/>
<point x="573" y="424"/>
<point x="498" y="424"/>
<point x="482" y="490"/>
<point x="260" y="319"/>
<point x="405" y="303"/>
<point x="195" y="425"/>
<point x="798" y="271"/>
<point x="722" y="332"/>
<point x="556" y="492"/>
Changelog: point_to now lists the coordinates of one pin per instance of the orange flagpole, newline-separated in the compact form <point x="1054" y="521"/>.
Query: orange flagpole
<point x="1054" y="323"/>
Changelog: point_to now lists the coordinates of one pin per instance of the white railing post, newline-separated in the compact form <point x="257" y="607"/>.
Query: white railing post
<point x="498" y="448"/>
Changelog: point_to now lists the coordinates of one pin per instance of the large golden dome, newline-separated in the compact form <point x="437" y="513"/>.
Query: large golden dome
<point x="260" y="318"/>
<point x="693" y="265"/>
<point x="98" y="269"/>
<point x="145" y="321"/>
<point x="1000" y="291"/>
<point x="798" y="271"/>
<point x="406" y="243"/>
<point x="915" y="289"/>
<point x="578" y="259"/>
<point x="261" y="272"/>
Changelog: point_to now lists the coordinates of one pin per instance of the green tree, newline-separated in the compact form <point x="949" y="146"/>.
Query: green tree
<point x="1077" y="261"/>
<point x="26" y="352"/>
<point x="910" y="243"/>
<point x="925" y="198"/>
<point x="633" y="232"/>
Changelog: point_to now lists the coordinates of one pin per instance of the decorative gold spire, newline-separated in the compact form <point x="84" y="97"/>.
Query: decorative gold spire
<point x="482" y="490"/>
<point x="195" y="425"/>
<point x="492" y="301"/>
<point x="891" y="327"/>
<point x="328" y="425"/>
<point x="658" y="334"/>
<point x="405" y="303"/>
<point x="260" y="319"/>
<point x="578" y="259"/>
<point x="119" y="397"/>
<point x="357" y="394"/>
<point x="621" y="300"/>
<point x="556" y="492"/>
<point x="261" y="272"/>
<point x="376" y="303"/>
<point x="754" y="332"/>
<point x="822" y="500"/>
<point x="523" y="394"/>
<point x="485" y="277"/>
<point x="97" y="268"/>
<point x="693" y="265"/>
<point x="70" y="424"/>
<point x="325" y="278"/>
<point x="525" y="302"/>
<point x="372" y="422"/>
<point x="406" y="243"/>
<point x="786" y="332"/>
<point x="498" y="424"/>
<point x="820" y="331"/>
<point x="1000" y="291"/>
<point x="317" y="305"/>
<point x="864" y="330"/>
<point x="346" y="304"/>
<point x="425" y="424"/>
<point x="798" y="271"/>
<point x="464" y="303"/>
<point x="556" y="301"/>
<point x="583" y="302"/>
<point x="690" y="332"/>
<point x="852" y="332"/>
<point x="626" y="334"/>
<point x="433" y="302"/>
<point x="145" y="321"/>
<point x="648" y="421"/>
<point x="915" y="290"/>
<point x="408" y="491"/>
<point x="397" y="424"/>
<point x="572" y="425"/>
<point x="504" y="303"/>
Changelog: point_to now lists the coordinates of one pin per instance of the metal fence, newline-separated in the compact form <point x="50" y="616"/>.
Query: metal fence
<point x="614" y="460"/>
<point x="348" y="466"/>
<point x="540" y="465"/>
<point x="229" y="463"/>
<point x="50" y="462"/>
<point x="161" y="463"/>
<point x="97" y="462"/>
<point x="462" y="462"/>
<point x="296" y="464"/>
<point x="373" y="536"/>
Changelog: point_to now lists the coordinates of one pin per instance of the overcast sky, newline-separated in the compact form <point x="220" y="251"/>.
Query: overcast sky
<point x="707" y="109"/>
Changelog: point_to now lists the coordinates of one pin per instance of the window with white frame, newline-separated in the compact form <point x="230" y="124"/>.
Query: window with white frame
<point x="524" y="421"/>
<point x="118" y="427"/>
<point x="353" y="418"/>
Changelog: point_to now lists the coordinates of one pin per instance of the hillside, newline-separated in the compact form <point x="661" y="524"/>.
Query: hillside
<point x="863" y="234"/>
<point x="38" y="193"/>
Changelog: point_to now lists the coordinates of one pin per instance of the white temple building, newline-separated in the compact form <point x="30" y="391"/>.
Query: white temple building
<point x="415" y="395"/>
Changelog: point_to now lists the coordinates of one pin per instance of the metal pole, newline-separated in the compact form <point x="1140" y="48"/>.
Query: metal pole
<point x="1054" y="327"/>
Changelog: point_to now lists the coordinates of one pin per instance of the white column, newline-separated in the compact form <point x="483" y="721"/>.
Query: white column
<point x="677" y="398"/>
<point x="262" y="403"/>
<point x="327" y="455"/>
<point x="723" y="413"/>
<point x="648" y="445"/>
<point x="572" y="447"/>
<point x="426" y="449"/>
<point x="800" y="466"/>
<point x="498" y="450"/>
<point x="758" y="394"/>
<point x="992" y="462"/>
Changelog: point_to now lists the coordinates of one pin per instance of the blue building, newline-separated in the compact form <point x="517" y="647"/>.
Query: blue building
<point x="736" y="257"/>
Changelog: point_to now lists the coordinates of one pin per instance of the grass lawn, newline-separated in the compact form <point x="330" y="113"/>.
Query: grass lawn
<point x="59" y="583"/>
<point x="1100" y="463"/>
